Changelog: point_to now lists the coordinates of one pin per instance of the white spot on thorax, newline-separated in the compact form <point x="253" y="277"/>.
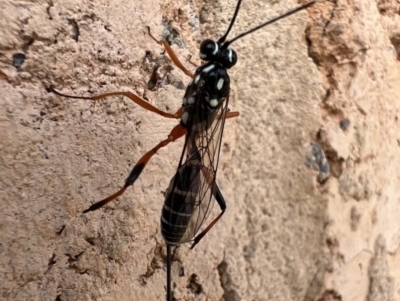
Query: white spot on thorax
<point x="213" y="102"/>
<point x="185" y="117"/>
<point x="220" y="83"/>
<point x="203" y="56"/>
<point x="230" y="55"/>
<point x="208" y="69"/>
<point x="196" y="80"/>
<point x="191" y="100"/>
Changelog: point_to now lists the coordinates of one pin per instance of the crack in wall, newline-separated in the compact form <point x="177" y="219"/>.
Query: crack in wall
<point x="230" y="293"/>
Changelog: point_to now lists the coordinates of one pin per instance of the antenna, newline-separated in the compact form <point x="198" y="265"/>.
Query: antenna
<point x="223" y="38"/>
<point x="290" y="12"/>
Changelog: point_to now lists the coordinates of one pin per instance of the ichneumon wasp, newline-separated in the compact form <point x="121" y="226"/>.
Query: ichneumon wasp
<point x="192" y="190"/>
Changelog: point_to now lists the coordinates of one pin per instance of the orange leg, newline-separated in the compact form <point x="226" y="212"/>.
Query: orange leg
<point x="177" y="132"/>
<point x="136" y="99"/>
<point x="197" y="239"/>
<point x="171" y="53"/>
<point x="229" y="115"/>
<point x="232" y="115"/>
<point x="220" y="200"/>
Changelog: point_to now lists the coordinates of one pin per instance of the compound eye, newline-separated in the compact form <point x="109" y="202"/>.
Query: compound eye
<point x="228" y="57"/>
<point x="208" y="50"/>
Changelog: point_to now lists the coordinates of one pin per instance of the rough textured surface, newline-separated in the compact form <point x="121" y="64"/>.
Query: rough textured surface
<point x="316" y="90"/>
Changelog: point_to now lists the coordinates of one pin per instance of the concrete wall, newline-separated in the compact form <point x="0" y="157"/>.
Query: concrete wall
<point x="318" y="89"/>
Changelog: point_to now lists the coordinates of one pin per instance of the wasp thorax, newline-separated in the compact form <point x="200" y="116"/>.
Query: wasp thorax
<point x="216" y="85"/>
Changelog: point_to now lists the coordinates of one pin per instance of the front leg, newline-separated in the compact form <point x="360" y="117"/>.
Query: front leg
<point x="171" y="54"/>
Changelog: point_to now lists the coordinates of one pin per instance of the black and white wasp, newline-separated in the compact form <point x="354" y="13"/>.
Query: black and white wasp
<point x="193" y="189"/>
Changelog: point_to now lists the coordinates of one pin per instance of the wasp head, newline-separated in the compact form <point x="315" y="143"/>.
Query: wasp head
<point x="213" y="52"/>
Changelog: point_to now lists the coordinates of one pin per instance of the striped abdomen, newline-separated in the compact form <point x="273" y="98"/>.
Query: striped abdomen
<point x="180" y="203"/>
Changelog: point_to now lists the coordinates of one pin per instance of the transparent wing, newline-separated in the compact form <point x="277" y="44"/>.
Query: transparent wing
<point x="202" y="150"/>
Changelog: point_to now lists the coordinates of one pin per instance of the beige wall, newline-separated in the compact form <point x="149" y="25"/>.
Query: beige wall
<point x="289" y="233"/>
